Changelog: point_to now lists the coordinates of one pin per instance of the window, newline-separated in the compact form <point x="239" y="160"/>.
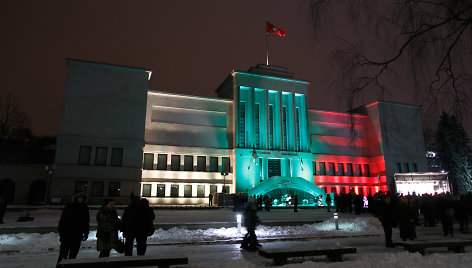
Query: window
<point x="97" y="188"/>
<point x="161" y="190"/>
<point x="148" y="161"/>
<point x="84" y="155"/>
<point x="284" y="128"/>
<point x="146" y="190"/>
<point x="174" y="190"/>
<point x="80" y="186"/>
<point x="175" y="162"/>
<point x="297" y="127"/>
<point x="314" y="168"/>
<point x="273" y="167"/>
<point x="226" y="164"/>
<point x="343" y="190"/>
<point x="271" y="127"/>
<point x="242" y="124"/>
<point x="340" y="169"/>
<point x="117" y="157"/>
<point x="212" y="189"/>
<point x="322" y="168"/>
<point x="406" y="167"/>
<point x="101" y="156"/>
<point x="415" y="167"/>
<point x="358" y="170"/>
<point x="349" y="169"/>
<point x="399" y="168"/>
<point x="366" y="170"/>
<point x="162" y="162"/>
<point x="187" y="190"/>
<point x="188" y="163"/>
<point x="200" y="190"/>
<point x="333" y="190"/>
<point x="201" y="163"/>
<point x="213" y="164"/>
<point x="256" y="126"/>
<point x="331" y="171"/>
<point x="114" y="188"/>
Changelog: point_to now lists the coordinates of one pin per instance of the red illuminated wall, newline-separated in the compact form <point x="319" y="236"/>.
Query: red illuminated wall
<point x="346" y="138"/>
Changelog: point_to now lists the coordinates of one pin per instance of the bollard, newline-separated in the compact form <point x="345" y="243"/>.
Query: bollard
<point x="336" y="221"/>
<point x="238" y="220"/>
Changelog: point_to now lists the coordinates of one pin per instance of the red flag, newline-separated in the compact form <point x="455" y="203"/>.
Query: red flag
<point x="271" y="28"/>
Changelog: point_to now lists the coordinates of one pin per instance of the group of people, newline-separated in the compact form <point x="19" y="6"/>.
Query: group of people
<point x="403" y="211"/>
<point x="136" y="223"/>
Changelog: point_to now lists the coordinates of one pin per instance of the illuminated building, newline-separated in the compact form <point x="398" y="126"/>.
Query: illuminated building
<point x="259" y="130"/>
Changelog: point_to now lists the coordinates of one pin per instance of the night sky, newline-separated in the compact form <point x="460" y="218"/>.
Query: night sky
<point x="191" y="46"/>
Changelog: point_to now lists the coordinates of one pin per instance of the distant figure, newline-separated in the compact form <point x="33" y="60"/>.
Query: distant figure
<point x="108" y="225"/>
<point x="328" y="202"/>
<point x="387" y="217"/>
<point x="210" y="199"/>
<point x="73" y="227"/>
<point x="137" y="223"/>
<point x="250" y="221"/>
<point x="406" y="220"/>
<point x="3" y="203"/>
<point x="295" y="204"/>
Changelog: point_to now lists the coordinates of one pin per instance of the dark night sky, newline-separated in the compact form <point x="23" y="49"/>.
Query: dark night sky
<point x="191" y="46"/>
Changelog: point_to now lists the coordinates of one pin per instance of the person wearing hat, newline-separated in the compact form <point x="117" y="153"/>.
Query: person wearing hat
<point x="108" y="225"/>
<point x="137" y="223"/>
<point x="74" y="226"/>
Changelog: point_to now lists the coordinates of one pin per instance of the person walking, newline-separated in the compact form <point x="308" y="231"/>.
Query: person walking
<point x="108" y="225"/>
<point x="295" y="204"/>
<point x="250" y="221"/>
<point x="137" y="223"/>
<point x="328" y="202"/>
<point x="74" y="226"/>
<point x="210" y="199"/>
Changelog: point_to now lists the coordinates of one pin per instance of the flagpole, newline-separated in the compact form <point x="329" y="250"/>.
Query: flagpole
<point x="267" y="50"/>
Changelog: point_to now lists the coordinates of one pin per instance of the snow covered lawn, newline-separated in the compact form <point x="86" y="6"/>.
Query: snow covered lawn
<point x="36" y="243"/>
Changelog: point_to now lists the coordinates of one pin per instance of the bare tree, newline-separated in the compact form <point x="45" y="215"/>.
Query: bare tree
<point x="429" y="40"/>
<point x="12" y="120"/>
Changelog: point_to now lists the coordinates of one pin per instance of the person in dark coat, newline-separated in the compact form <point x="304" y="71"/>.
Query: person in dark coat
<point x="295" y="204"/>
<point x="137" y="223"/>
<point x="328" y="202"/>
<point x="387" y="217"/>
<point x="74" y="226"/>
<point x="210" y="199"/>
<point x="446" y="213"/>
<point x="406" y="220"/>
<point x="250" y="221"/>
<point x="108" y="225"/>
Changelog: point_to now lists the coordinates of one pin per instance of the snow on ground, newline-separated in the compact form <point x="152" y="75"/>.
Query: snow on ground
<point x="36" y="243"/>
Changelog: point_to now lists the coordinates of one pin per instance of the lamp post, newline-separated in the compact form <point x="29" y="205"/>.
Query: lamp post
<point x="336" y="221"/>
<point x="224" y="174"/>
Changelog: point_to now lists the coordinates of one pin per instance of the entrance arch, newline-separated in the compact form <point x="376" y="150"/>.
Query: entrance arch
<point x="287" y="185"/>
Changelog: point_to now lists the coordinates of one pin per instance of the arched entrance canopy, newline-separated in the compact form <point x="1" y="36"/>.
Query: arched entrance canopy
<point x="277" y="182"/>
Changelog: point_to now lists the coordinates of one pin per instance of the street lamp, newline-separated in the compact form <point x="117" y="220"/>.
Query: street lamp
<point x="336" y="221"/>
<point x="238" y="220"/>
<point x="224" y="174"/>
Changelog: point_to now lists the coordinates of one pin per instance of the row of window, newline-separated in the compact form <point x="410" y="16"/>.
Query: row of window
<point x="351" y="170"/>
<point x="360" y="190"/>
<point x="174" y="190"/>
<point x="98" y="187"/>
<point x="407" y="168"/>
<point x="201" y="164"/>
<point x="101" y="156"/>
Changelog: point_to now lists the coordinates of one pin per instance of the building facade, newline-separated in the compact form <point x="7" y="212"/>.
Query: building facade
<point x="258" y="137"/>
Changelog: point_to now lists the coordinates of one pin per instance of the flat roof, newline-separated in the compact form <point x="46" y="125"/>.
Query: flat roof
<point x="70" y="60"/>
